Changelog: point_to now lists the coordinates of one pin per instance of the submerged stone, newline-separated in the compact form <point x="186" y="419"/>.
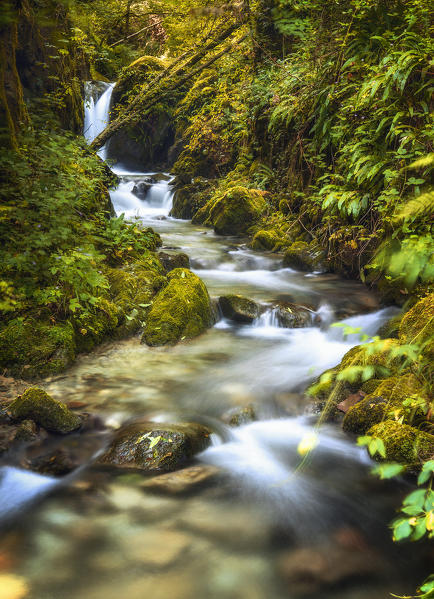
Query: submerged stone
<point x="156" y="447"/>
<point x="239" y="308"/>
<point x="35" y="404"/>
<point x="181" y="310"/>
<point x="182" y="481"/>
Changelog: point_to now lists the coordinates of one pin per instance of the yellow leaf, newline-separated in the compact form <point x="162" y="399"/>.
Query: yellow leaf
<point x="308" y="443"/>
<point x="13" y="587"/>
<point x="429" y="520"/>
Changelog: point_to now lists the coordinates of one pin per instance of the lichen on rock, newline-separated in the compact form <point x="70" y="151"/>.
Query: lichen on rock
<point x="181" y="310"/>
<point x="35" y="404"/>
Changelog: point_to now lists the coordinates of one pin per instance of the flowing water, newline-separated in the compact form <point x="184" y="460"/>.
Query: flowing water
<point x="271" y="524"/>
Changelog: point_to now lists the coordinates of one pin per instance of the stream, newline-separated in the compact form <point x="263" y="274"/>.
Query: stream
<point x="270" y="524"/>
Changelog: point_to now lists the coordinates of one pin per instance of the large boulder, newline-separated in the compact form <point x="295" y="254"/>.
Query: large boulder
<point x="234" y="212"/>
<point x="239" y="308"/>
<point x="35" y="404"/>
<point x="266" y="240"/>
<point x="181" y="310"/>
<point x="156" y="447"/>
<point x="190" y="197"/>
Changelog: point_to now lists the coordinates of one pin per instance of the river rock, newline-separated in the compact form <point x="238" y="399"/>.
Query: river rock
<point x="239" y="416"/>
<point x="315" y="570"/>
<point x="35" y="404"/>
<point x="156" y="548"/>
<point x="294" y="316"/>
<point x="181" y="310"/>
<point x="239" y="308"/>
<point x="156" y="447"/>
<point x="141" y="189"/>
<point x="182" y="481"/>
<point x="172" y="261"/>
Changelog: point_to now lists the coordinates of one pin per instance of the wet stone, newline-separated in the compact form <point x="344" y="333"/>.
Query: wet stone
<point x="152" y="447"/>
<point x="239" y="308"/>
<point x="181" y="482"/>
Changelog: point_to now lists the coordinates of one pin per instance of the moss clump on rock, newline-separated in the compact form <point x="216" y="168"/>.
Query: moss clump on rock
<point x="366" y="413"/>
<point x="30" y="347"/>
<point x="234" y="212"/>
<point x="190" y="198"/>
<point x="181" y="310"/>
<point x="155" y="447"/>
<point x="403" y="443"/>
<point x="35" y="404"/>
<point x="303" y="256"/>
<point x="239" y="308"/>
<point x="417" y="325"/>
<point x="265" y="240"/>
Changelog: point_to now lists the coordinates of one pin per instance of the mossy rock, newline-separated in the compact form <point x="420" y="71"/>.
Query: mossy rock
<point x="190" y="198"/>
<point x="417" y="325"/>
<point x="382" y="360"/>
<point x="137" y="73"/>
<point x="34" y="348"/>
<point x="265" y="240"/>
<point x="362" y="416"/>
<point x="172" y="260"/>
<point x="35" y="404"/>
<point x="303" y="256"/>
<point x="390" y="330"/>
<point x="93" y="328"/>
<point x="403" y="443"/>
<point x="156" y="447"/>
<point x="239" y="308"/>
<point x="234" y="212"/>
<point x="181" y="310"/>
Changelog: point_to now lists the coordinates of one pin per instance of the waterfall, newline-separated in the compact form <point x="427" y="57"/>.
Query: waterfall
<point x="96" y="111"/>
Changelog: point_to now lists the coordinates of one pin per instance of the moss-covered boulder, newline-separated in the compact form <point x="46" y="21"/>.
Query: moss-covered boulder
<point x="156" y="447"/>
<point x="303" y="256"/>
<point x="35" y="404"/>
<point x="403" y="443"/>
<point x="191" y="197"/>
<point x="239" y="308"/>
<point x="361" y="417"/>
<point x="417" y="325"/>
<point x="172" y="260"/>
<point x="181" y="310"/>
<point x="31" y="347"/>
<point x="233" y="212"/>
<point x="265" y="240"/>
<point x="93" y="327"/>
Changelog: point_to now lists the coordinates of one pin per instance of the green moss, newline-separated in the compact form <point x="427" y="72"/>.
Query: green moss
<point x="92" y="328"/>
<point x="233" y="212"/>
<point x="370" y="386"/>
<point x="190" y="198"/>
<point x="403" y="443"/>
<point x="390" y="329"/>
<point x="366" y="413"/>
<point x="182" y="309"/>
<point x="35" y="404"/>
<point x="265" y="240"/>
<point x="32" y="348"/>
<point x="417" y="325"/>
<point x="304" y="256"/>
